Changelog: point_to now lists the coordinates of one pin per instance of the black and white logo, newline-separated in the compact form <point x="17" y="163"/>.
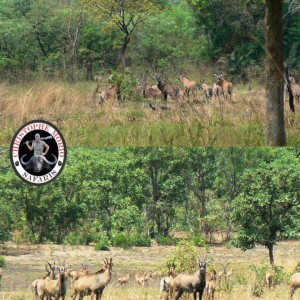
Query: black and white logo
<point x="38" y="152"/>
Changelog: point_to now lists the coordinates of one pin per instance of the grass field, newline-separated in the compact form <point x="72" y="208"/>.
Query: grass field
<point x="83" y="122"/>
<point x="26" y="263"/>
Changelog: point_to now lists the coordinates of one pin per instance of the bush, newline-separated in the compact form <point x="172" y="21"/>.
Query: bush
<point x="197" y="240"/>
<point x="184" y="258"/>
<point x="75" y="238"/>
<point x="121" y="240"/>
<point x="140" y="241"/>
<point x="2" y="261"/>
<point x="260" y="272"/>
<point x="166" y="240"/>
<point x="124" y="241"/>
<point x="102" y="243"/>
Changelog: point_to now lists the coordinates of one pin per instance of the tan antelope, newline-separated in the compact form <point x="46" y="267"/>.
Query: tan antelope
<point x="123" y="280"/>
<point x="211" y="285"/>
<point x="270" y="275"/>
<point x="93" y="284"/>
<point x="76" y="274"/>
<point x="227" y="86"/>
<point x="1" y="273"/>
<point x="295" y="88"/>
<point x="38" y="285"/>
<point x="189" y="85"/>
<point x="208" y="90"/>
<point x="217" y="91"/>
<point x="166" y="283"/>
<point x="110" y="94"/>
<point x="191" y="283"/>
<point x="141" y="280"/>
<point x="294" y="284"/>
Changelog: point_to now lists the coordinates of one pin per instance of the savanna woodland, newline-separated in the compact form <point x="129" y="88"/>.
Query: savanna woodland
<point x="58" y="57"/>
<point x="152" y="207"/>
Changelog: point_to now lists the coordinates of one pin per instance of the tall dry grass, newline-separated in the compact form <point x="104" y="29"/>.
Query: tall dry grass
<point x="75" y="110"/>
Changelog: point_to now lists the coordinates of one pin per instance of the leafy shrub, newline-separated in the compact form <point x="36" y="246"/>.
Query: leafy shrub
<point x="297" y="268"/>
<point x="124" y="241"/>
<point x="197" y="240"/>
<point x="121" y="240"/>
<point x="166" y="240"/>
<point x="75" y="238"/>
<point x="102" y="243"/>
<point x="184" y="257"/>
<point x="260" y="272"/>
<point x="140" y="241"/>
<point x="2" y="261"/>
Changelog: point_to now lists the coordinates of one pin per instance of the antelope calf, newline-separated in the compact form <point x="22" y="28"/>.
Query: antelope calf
<point x="270" y="275"/>
<point x="110" y="94"/>
<point x="211" y="285"/>
<point x="124" y="280"/>
<point x="141" y="280"/>
<point x="227" y="86"/>
<point x="76" y="274"/>
<point x="166" y="283"/>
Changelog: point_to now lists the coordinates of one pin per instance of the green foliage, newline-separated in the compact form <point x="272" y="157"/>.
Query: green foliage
<point x="184" y="258"/>
<point x="102" y="243"/>
<point x="78" y="238"/>
<point x="124" y="241"/>
<point x="166" y="240"/>
<point x="2" y="261"/>
<point x="197" y="240"/>
<point x="260" y="277"/>
<point x="297" y="268"/>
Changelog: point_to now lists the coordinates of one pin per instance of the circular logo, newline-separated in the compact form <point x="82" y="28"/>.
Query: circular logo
<point x="38" y="152"/>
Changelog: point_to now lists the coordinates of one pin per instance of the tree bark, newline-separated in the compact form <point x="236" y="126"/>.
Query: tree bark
<point x="270" y="247"/>
<point x="275" y="131"/>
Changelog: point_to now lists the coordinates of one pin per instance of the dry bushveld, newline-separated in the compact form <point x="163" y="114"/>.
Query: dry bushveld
<point x="27" y="262"/>
<point x="75" y="109"/>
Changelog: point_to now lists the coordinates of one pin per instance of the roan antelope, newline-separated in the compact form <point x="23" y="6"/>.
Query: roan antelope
<point x="227" y="86"/>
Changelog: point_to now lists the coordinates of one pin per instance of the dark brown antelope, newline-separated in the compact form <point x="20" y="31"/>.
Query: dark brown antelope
<point x="167" y="88"/>
<point x="191" y="283"/>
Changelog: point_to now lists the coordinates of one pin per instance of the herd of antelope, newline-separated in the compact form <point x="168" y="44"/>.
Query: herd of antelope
<point x="84" y="282"/>
<point x="163" y="89"/>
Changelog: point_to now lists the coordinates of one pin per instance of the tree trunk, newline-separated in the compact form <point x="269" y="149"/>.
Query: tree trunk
<point x="275" y="131"/>
<point x="123" y="52"/>
<point x="270" y="247"/>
